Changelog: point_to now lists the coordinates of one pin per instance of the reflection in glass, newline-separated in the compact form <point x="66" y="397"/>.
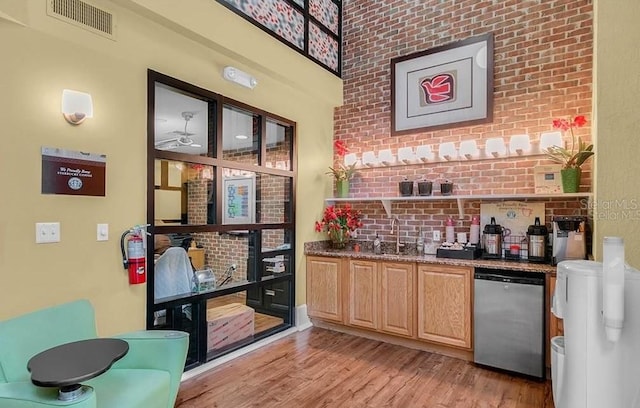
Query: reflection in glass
<point x="184" y="193"/>
<point x="181" y="121"/>
<point x="240" y="134"/>
<point x="273" y="194"/>
<point x="278" y="146"/>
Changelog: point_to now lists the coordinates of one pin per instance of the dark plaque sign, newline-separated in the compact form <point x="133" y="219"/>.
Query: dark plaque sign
<point x="72" y="172"/>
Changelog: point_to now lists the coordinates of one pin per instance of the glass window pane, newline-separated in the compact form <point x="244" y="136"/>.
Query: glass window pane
<point x="278" y="146"/>
<point x="182" y="122"/>
<point x="273" y="199"/>
<point x="181" y="318"/>
<point x="273" y="302"/>
<point x="191" y="263"/>
<point x="276" y="240"/>
<point x="184" y="193"/>
<point x="275" y="266"/>
<point x="240" y="135"/>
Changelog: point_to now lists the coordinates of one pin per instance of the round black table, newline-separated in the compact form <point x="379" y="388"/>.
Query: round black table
<point x="67" y="365"/>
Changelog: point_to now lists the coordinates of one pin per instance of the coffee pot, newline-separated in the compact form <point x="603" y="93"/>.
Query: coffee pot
<point x="492" y="240"/>
<point x="537" y="242"/>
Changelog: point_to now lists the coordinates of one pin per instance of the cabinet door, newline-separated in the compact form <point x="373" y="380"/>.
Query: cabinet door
<point x="363" y="294"/>
<point x="324" y="288"/>
<point x="444" y="304"/>
<point x="397" y="285"/>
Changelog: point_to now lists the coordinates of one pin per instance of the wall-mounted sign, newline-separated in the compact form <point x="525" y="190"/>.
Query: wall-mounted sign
<point x="72" y="172"/>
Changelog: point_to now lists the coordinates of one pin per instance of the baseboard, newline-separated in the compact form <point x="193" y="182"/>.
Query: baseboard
<point x="302" y="318"/>
<point x="238" y="353"/>
<point x="461" y="354"/>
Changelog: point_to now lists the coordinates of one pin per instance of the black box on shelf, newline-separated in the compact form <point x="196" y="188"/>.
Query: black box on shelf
<point x="471" y="252"/>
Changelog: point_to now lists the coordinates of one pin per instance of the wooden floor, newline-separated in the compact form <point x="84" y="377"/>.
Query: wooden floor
<point x="322" y="368"/>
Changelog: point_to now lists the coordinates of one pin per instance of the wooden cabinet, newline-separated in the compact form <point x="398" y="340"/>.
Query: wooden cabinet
<point x="363" y="295"/>
<point x="324" y="288"/>
<point x="397" y="288"/>
<point x="444" y="304"/>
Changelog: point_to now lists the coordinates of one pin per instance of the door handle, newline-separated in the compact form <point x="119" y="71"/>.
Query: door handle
<point x="269" y="292"/>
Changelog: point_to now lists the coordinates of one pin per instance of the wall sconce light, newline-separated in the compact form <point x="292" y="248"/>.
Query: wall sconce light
<point x="495" y="147"/>
<point x="519" y="144"/>
<point x="469" y="149"/>
<point x="369" y="159"/>
<point x="424" y="153"/>
<point x="239" y="77"/>
<point x="350" y="159"/>
<point x="549" y="139"/>
<point x="386" y="157"/>
<point x="447" y="151"/>
<point x="405" y="155"/>
<point x="76" y="106"/>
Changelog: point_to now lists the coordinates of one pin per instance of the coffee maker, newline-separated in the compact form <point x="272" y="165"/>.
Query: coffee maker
<point x="569" y="238"/>
<point x="492" y="240"/>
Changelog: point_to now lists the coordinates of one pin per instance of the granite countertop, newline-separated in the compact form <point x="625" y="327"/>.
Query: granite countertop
<point x="322" y="248"/>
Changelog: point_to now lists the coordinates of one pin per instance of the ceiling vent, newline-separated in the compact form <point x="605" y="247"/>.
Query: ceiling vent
<point x="84" y="15"/>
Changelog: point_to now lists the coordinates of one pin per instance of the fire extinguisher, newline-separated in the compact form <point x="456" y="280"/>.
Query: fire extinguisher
<point x="134" y="259"/>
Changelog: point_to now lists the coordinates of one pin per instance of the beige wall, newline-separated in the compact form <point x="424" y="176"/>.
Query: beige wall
<point x="47" y="55"/>
<point x="617" y="126"/>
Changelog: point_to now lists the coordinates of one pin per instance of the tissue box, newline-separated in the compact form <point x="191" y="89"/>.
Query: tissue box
<point x="228" y="324"/>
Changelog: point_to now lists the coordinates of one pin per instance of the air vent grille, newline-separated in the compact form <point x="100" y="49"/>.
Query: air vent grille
<point x="84" y="15"/>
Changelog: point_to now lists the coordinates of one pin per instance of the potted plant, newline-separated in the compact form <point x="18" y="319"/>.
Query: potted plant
<point x="341" y="173"/>
<point x="573" y="158"/>
<point x="339" y="223"/>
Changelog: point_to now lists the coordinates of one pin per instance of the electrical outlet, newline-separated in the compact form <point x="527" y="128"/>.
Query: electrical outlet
<point x="436" y="235"/>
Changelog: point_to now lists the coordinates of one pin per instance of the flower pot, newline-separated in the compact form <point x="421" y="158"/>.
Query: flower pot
<point x="446" y="188"/>
<point x="570" y="179"/>
<point x="338" y="238"/>
<point x="406" y="188"/>
<point x="424" y="188"/>
<point x="342" y="188"/>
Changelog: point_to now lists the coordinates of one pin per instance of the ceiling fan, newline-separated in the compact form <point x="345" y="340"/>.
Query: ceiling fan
<point x="183" y="138"/>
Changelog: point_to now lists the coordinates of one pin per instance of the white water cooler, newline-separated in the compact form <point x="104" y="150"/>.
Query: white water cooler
<point x="596" y="364"/>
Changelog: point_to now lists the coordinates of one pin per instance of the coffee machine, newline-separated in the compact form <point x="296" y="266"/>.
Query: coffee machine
<point x="569" y="238"/>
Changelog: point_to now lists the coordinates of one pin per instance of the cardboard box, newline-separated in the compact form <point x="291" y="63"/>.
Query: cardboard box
<point x="228" y="324"/>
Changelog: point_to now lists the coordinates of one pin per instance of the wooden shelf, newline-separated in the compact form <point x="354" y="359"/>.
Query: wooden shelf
<point x="460" y="199"/>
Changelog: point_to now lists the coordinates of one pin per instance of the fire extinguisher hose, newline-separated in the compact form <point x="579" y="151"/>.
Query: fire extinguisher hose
<point x="125" y="262"/>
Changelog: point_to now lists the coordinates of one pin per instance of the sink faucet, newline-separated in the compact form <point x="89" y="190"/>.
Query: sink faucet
<point x="396" y="223"/>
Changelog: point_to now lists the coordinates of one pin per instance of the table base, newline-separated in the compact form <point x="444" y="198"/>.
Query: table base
<point x="72" y="392"/>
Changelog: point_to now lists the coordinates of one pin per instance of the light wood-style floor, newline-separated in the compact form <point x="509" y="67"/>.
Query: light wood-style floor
<point x="322" y="368"/>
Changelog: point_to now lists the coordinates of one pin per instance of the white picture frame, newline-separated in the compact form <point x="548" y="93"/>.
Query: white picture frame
<point x="239" y="200"/>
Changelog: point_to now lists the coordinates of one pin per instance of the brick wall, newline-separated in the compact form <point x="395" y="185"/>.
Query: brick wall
<point x="542" y="71"/>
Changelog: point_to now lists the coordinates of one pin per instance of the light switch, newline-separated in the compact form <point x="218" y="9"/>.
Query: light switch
<point x="103" y="232"/>
<point x="47" y="232"/>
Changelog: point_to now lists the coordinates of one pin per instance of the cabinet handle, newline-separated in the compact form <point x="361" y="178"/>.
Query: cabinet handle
<point x="270" y="292"/>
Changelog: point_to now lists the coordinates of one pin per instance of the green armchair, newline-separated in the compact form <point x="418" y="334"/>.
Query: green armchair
<point x="148" y="376"/>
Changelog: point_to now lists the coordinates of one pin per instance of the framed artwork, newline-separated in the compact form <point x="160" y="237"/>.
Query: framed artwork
<point x="444" y="87"/>
<point x="239" y="200"/>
